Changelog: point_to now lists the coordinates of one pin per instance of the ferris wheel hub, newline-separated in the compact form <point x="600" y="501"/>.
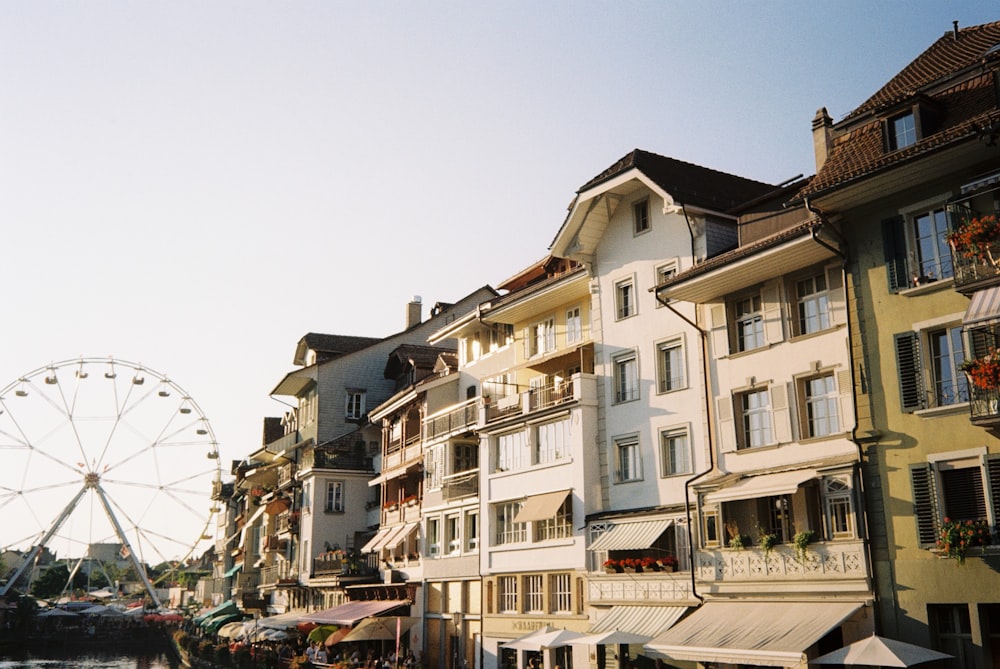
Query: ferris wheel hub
<point x="91" y="479"/>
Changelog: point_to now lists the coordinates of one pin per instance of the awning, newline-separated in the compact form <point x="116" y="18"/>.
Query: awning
<point x="650" y="621"/>
<point x="401" y="535"/>
<point x="381" y="629"/>
<point x="373" y="544"/>
<point x="232" y="570"/>
<point x="351" y="612"/>
<point x="541" y="507"/>
<point x="985" y="306"/>
<point x="281" y="622"/>
<point x="228" y="606"/>
<point x="763" y="485"/>
<point x="631" y="536"/>
<point x="243" y="530"/>
<point x="276" y="506"/>
<point x="774" y="634"/>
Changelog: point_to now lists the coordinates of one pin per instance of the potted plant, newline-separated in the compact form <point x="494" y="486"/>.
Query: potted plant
<point x="984" y="372"/>
<point x="956" y="537"/>
<point x="612" y="566"/>
<point x="975" y="238"/>
<point x="801" y="540"/>
<point x="667" y="562"/>
<point x="628" y="565"/>
<point x="766" y="540"/>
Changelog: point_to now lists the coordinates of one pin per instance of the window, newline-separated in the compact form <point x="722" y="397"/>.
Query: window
<point x="560" y="593"/>
<point x="433" y="536"/>
<point x="963" y="485"/>
<point x="628" y="467"/>
<point x="466" y="457"/>
<point x="542" y="337"/>
<point x="930" y="231"/>
<point x="559" y="526"/>
<point x="625" y="299"/>
<point x="953" y="628"/>
<point x="675" y="453"/>
<point x="821" y="417"/>
<point x="839" y="509"/>
<point x="507" y="531"/>
<point x="669" y="365"/>
<point x="710" y="528"/>
<point x="534" y="596"/>
<point x="507" y="594"/>
<point x="902" y="131"/>
<point x="574" y="326"/>
<point x="552" y="441"/>
<point x="754" y="408"/>
<point x="335" y="496"/>
<point x="355" y="405"/>
<point x="665" y="271"/>
<point x="749" y="323"/>
<point x="452" y="534"/>
<point x="433" y="468"/>
<point x="500" y="335"/>
<point x="626" y="377"/>
<point x="812" y="304"/>
<point x="472" y="531"/>
<point x="512" y="451"/>
<point x="640" y="216"/>
<point x="951" y="386"/>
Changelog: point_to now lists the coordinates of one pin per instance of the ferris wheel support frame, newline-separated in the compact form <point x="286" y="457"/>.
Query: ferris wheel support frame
<point x="139" y="569"/>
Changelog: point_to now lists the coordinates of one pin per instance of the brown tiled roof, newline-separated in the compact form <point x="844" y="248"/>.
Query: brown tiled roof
<point x="688" y="183"/>
<point x="962" y="106"/>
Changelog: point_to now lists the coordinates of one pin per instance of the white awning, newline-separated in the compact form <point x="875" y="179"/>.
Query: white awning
<point x="541" y="507"/>
<point x="400" y="536"/>
<point x="985" y="306"/>
<point x="390" y="533"/>
<point x="246" y="526"/>
<point x="774" y="634"/>
<point x="631" y="536"/>
<point x="650" y="621"/>
<point x="763" y="485"/>
<point x="379" y="537"/>
<point x="351" y="612"/>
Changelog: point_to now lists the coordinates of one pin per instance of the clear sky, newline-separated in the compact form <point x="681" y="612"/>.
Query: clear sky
<point x="195" y="185"/>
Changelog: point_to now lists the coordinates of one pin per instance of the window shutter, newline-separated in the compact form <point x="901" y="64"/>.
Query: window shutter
<point x="894" y="247"/>
<point x="727" y="427"/>
<point x="720" y="330"/>
<point x="846" y="391"/>
<point x="924" y="503"/>
<point x="771" y="304"/>
<point x="992" y="466"/>
<point x="838" y="296"/>
<point x="911" y="387"/>
<point x="780" y="414"/>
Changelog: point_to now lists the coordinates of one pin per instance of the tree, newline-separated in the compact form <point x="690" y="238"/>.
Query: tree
<point x="51" y="582"/>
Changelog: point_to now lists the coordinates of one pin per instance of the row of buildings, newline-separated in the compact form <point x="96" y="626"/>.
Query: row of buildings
<point x="734" y="417"/>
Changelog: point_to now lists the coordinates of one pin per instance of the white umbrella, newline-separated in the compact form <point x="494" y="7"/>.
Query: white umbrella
<point x="57" y="613"/>
<point x="553" y="639"/>
<point x="876" y="651"/>
<point x="230" y="630"/>
<point x="515" y="643"/>
<point x="610" y="638"/>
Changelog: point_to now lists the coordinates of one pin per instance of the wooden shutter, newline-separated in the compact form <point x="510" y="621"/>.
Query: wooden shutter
<point x="780" y="414"/>
<point x="727" y="426"/>
<point x="924" y="503"/>
<point x="770" y="298"/>
<point x="838" y="296"/>
<point x="911" y="385"/>
<point x="720" y="330"/>
<point x="894" y="248"/>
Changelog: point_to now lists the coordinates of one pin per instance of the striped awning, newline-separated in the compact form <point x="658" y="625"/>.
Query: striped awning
<point x="985" y="306"/>
<point x="402" y="533"/>
<point x="631" y="536"/>
<point x="375" y="543"/>
<point x="649" y="621"/>
<point x="763" y="485"/>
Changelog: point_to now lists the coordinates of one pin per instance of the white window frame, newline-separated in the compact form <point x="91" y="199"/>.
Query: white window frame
<point x="666" y="350"/>
<point x="507" y="594"/>
<point x="508" y="531"/>
<point x="838" y="506"/>
<point x="625" y="377"/>
<point x="433" y="537"/>
<point x="453" y="534"/>
<point x="512" y="451"/>
<point x="534" y="593"/>
<point x="471" y="531"/>
<point x="670" y="464"/>
<point x="628" y="458"/>
<point x="542" y="337"/>
<point x="335" y="491"/>
<point x="553" y="440"/>
<point x="755" y="420"/>
<point x="354" y="404"/>
<point x="561" y="593"/>
<point x="626" y="304"/>
<point x="663" y="272"/>
<point x="559" y="526"/>
<point x="642" y="220"/>
<point x="820" y="415"/>
<point x="574" y="325"/>
<point x="902" y="134"/>
<point x="748" y="326"/>
<point x="813" y="308"/>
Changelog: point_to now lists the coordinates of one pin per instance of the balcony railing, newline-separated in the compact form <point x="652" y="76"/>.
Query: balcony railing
<point x="465" y="484"/>
<point x="286" y="475"/>
<point x="283" y="443"/>
<point x="245" y="582"/>
<point x="985" y="405"/>
<point x="550" y="395"/>
<point x="454" y="421"/>
<point x="288" y="521"/>
<point x="283" y="572"/>
<point x="827" y="561"/>
<point x="971" y="270"/>
<point x="322" y="458"/>
<point x="644" y="588"/>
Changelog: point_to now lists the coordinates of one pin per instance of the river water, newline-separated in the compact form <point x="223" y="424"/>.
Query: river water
<point x="60" y="658"/>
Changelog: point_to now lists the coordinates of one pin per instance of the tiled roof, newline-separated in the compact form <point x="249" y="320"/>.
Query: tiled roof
<point x="337" y="344"/>
<point x="962" y="107"/>
<point x="686" y="182"/>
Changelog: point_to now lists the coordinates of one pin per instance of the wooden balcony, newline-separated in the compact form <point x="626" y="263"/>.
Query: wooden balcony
<point x="282" y="573"/>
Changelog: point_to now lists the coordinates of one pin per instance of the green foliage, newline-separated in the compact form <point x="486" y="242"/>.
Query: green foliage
<point x="51" y="582"/>
<point x="766" y="540"/>
<point x="801" y="540"/>
<point x="956" y="537"/>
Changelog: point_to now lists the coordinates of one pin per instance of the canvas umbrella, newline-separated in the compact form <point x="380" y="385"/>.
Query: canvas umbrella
<point x="321" y="632"/>
<point x="57" y="613"/>
<point x="610" y="638"/>
<point x="231" y="630"/>
<point x="525" y="642"/>
<point x="539" y="642"/>
<point x="877" y="651"/>
<point x="380" y="629"/>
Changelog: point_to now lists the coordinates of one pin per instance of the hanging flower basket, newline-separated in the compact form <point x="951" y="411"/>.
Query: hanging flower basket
<point x="984" y="372"/>
<point x="955" y="538"/>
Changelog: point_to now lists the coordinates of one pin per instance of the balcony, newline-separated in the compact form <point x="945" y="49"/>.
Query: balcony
<point x="453" y="421"/>
<point x="336" y="458"/>
<point x="286" y="475"/>
<point x="284" y="443"/>
<point x="406" y="512"/>
<point x="464" y="484"/>
<point x="641" y="588"/>
<point x="288" y="522"/>
<point x="282" y="573"/>
<point x="972" y="273"/>
<point x="535" y="399"/>
<point x="245" y="583"/>
<point x="836" y="562"/>
<point x="985" y="406"/>
<point x="340" y="565"/>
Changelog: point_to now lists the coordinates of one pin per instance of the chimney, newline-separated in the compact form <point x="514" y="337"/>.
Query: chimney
<point x="413" y="312"/>
<point x="954" y="29"/>
<point x="822" y="130"/>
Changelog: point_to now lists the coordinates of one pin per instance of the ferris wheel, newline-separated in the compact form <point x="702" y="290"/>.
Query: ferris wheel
<point x="106" y="460"/>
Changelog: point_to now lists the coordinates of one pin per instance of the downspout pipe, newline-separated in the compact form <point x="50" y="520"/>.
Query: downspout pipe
<point x="703" y="336"/>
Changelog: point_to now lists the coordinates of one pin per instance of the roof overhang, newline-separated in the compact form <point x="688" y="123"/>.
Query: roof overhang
<point x="592" y="210"/>
<point x="533" y="301"/>
<point x="742" y="268"/>
<point x="295" y="383"/>
<point x="455" y="328"/>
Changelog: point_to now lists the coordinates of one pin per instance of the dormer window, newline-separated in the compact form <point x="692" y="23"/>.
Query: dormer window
<point x="902" y="131"/>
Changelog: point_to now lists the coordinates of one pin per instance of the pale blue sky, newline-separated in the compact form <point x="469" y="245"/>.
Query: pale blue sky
<point x="194" y="185"/>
